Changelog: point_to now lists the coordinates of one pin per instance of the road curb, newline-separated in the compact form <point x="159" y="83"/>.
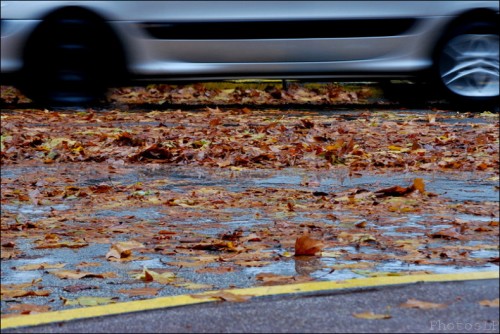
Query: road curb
<point x="183" y="300"/>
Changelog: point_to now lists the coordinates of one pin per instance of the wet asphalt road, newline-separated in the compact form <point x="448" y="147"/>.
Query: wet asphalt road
<point x="328" y="312"/>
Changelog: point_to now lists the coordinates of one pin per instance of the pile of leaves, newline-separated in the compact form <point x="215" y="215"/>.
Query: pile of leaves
<point x="224" y="93"/>
<point x="252" y="139"/>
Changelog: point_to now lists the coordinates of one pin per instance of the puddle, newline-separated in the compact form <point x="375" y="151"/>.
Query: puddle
<point x="34" y="212"/>
<point x="268" y="212"/>
<point x="139" y="213"/>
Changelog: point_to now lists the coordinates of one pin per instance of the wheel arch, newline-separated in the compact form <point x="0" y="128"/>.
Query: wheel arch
<point x="486" y="15"/>
<point x="115" y="47"/>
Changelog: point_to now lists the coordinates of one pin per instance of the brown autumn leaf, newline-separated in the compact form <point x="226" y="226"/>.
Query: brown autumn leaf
<point x="371" y="316"/>
<point x="419" y="185"/>
<point x="274" y="279"/>
<point x="88" y="264"/>
<point x="224" y="296"/>
<point x="192" y="286"/>
<point x="306" y="245"/>
<point x="101" y="188"/>
<point x="148" y="275"/>
<point x="14" y="286"/>
<point x="52" y="241"/>
<point x="145" y="291"/>
<point x="29" y="308"/>
<point x="79" y="287"/>
<point x="490" y="303"/>
<point x="414" y="303"/>
<point x="218" y="245"/>
<point x="17" y="293"/>
<point x="7" y="254"/>
<point x="77" y="274"/>
<point x="89" y="301"/>
<point x="41" y="266"/>
<point x="122" y="249"/>
<point x="396" y="191"/>
<point x="215" y="270"/>
<point x="449" y="233"/>
<point x="248" y="263"/>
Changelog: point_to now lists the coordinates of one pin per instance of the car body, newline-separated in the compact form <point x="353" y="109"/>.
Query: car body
<point x="69" y="51"/>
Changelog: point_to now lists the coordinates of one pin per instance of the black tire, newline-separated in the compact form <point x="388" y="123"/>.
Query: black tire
<point x="466" y="65"/>
<point x="71" y="59"/>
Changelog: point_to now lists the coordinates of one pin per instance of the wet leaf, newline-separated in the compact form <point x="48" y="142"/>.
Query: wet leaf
<point x="76" y="274"/>
<point x="29" y="308"/>
<point x="395" y="191"/>
<point x="419" y="185"/>
<point x="450" y="233"/>
<point x="414" y="303"/>
<point x="145" y="291"/>
<point x="89" y="301"/>
<point x="18" y="293"/>
<point x="193" y="286"/>
<point x="41" y="266"/>
<point x="490" y="303"/>
<point x="52" y="242"/>
<point x="88" y="264"/>
<point x="224" y="296"/>
<point x="371" y="316"/>
<point x="274" y="279"/>
<point x="78" y="288"/>
<point x="148" y="275"/>
<point x="306" y="245"/>
<point x="123" y="249"/>
<point x="215" y="270"/>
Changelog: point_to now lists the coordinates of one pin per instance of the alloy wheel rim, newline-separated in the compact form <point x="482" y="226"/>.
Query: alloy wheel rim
<point x="469" y="65"/>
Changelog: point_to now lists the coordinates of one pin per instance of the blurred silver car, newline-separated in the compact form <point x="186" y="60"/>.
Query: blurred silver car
<point x="70" y="52"/>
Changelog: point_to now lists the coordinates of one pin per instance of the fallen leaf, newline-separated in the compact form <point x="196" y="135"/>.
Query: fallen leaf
<point x="17" y="293"/>
<point x="50" y="243"/>
<point x="306" y="245"/>
<point x="419" y="185"/>
<point x="274" y="279"/>
<point x="88" y="264"/>
<point x="146" y="291"/>
<point x="414" y="303"/>
<point x="76" y="274"/>
<point x="89" y="301"/>
<point x="395" y="191"/>
<point x="245" y="263"/>
<point x="148" y="275"/>
<point x="224" y="296"/>
<point x="215" y="270"/>
<point x="29" y="308"/>
<point x="490" y="303"/>
<point x="123" y="249"/>
<point x="41" y="266"/>
<point x="193" y="286"/>
<point x="79" y="287"/>
<point x="450" y="233"/>
<point x="371" y="316"/>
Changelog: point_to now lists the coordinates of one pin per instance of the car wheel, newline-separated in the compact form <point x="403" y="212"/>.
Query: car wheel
<point x="467" y="64"/>
<point x="70" y="59"/>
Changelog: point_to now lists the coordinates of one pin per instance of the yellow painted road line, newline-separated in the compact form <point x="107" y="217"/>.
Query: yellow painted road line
<point x="182" y="300"/>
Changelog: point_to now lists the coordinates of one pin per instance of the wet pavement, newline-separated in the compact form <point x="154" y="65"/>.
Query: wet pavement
<point x="176" y="211"/>
<point x="456" y="188"/>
